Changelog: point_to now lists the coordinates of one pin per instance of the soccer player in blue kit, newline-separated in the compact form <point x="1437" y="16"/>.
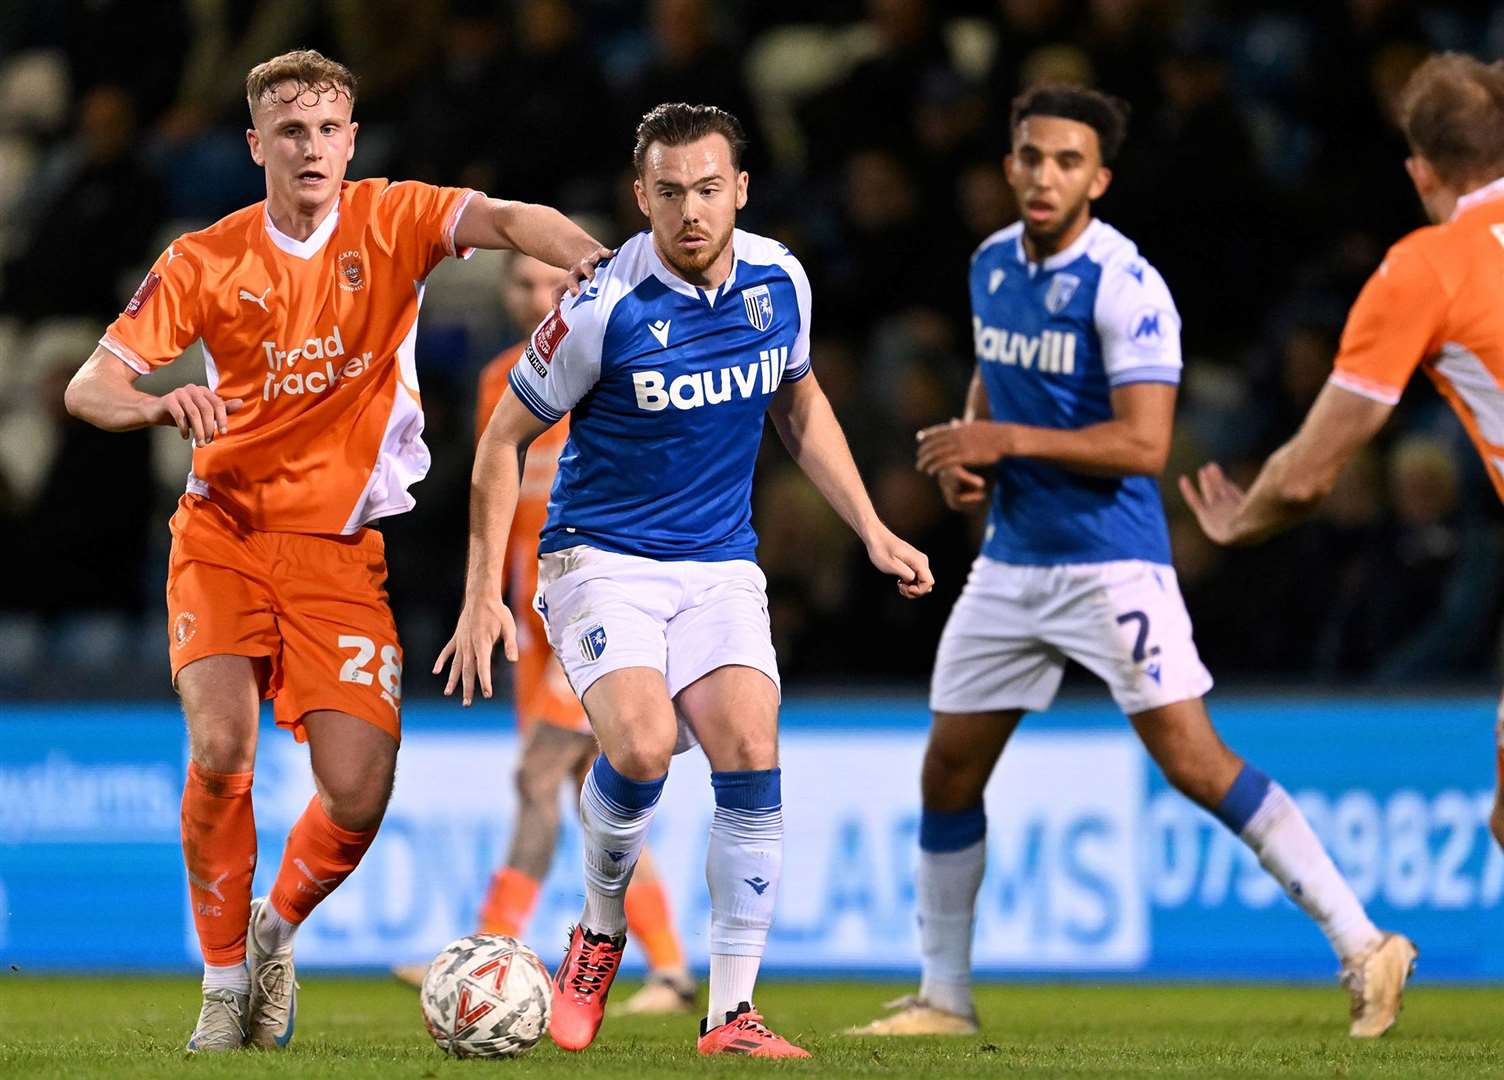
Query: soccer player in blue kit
<point x="1069" y="416"/>
<point x="648" y="583"/>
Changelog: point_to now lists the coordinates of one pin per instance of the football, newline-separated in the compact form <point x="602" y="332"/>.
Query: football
<point x="486" y="996"/>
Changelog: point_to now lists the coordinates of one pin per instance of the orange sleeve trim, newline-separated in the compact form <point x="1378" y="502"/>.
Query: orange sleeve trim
<point x="127" y="355"/>
<point x="1374" y="391"/>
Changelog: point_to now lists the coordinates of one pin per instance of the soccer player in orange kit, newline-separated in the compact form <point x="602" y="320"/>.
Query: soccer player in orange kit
<point x="1436" y="303"/>
<point x="309" y="429"/>
<point x="558" y="746"/>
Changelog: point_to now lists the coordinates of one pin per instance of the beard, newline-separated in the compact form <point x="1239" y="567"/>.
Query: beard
<point x="1047" y="238"/>
<point x="693" y="264"/>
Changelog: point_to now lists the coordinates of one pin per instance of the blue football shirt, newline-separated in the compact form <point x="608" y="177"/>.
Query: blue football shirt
<point x="1052" y="340"/>
<point x="666" y="385"/>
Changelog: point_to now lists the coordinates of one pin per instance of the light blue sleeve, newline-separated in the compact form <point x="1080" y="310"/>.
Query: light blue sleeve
<point x="1137" y="323"/>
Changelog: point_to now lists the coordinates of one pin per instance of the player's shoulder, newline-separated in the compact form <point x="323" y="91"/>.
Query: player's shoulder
<point x="616" y="278"/>
<point x="766" y="257"/>
<point x="225" y="243"/>
<point x="1124" y="272"/>
<point x="1431" y="252"/>
<point x="1004" y="242"/>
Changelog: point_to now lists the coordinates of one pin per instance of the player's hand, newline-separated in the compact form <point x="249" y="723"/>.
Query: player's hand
<point x="482" y="623"/>
<point x="581" y="272"/>
<point x="904" y="561"/>
<point x="1216" y="501"/>
<point x="197" y="412"/>
<point x="961" y="443"/>
<point x="962" y="489"/>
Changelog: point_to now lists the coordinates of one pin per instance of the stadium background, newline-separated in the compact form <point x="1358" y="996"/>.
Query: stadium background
<point x="1262" y="176"/>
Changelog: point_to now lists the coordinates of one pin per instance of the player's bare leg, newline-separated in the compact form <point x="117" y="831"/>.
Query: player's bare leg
<point x="354" y="763"/>
<point x="962" y="751"/>
<point x="733" y="711"/>
<point x="634" y="722"/>
<point x="1375" y="964"/>
<point x="221" y="701"/>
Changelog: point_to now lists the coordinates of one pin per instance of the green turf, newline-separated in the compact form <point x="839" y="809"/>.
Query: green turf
<point x="353" y="1027"/>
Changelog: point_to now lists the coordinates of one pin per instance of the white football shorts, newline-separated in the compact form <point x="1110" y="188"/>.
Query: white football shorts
<point x="1013" y="628"/>
<point x="605" y="611"/>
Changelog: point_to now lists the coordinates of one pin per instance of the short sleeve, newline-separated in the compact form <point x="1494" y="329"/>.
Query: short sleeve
<point x="562" y="359"/>
<point x="421" y="219"/>
<point x="1138" y="325"/>
<point x="1393" y="326"/>
<point x="161" y="320"/>
<point x="799" y="359"/>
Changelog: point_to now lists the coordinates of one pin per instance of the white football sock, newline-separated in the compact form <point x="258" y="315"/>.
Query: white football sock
<point x="615" y="813"/>
<point x="273" y="932"/>
<point x="947" y="885"/>
<point x="742" y="868"/>
<point x="234" y="977"/>
<point x="1288" y="848"/>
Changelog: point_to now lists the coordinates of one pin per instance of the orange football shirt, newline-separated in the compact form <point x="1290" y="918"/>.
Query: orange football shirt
<point x="1437" y="302"/>
<point x="541" y="688"/>
<point x="316" y="337"/>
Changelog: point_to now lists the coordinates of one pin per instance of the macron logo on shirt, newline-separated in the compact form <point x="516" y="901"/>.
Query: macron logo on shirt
<point x="655" y="392"/>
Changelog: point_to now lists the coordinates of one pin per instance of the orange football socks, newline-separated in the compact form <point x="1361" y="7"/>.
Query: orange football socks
<point x="649" y="922"/>
<point x="509" y="902"/>
<point x="319" y="855"/>
<point x="219" y="849"/>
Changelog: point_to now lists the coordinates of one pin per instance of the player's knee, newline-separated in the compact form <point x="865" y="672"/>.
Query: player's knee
<point x="1496" y="822"/>
<point x="356" y="807"/>
<point x="222" y="747"/>
<point x="537" y="790"/>
<point x="949" y="780"/>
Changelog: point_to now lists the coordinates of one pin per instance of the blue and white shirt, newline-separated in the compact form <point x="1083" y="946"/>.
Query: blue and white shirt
<point x="666" y="385"/>
<point x="1052" y="340"/>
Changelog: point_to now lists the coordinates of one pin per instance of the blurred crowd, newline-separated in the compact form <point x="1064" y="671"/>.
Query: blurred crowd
<point x="1262" y="176"/>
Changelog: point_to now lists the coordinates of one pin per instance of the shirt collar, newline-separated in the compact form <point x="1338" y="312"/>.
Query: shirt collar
<point x="302" y="249"/>
<point x="1487" y="193"/>
<point x="1060" y="258"/>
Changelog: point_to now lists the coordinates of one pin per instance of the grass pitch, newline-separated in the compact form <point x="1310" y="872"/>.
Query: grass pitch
<point x="68" y="1027"/>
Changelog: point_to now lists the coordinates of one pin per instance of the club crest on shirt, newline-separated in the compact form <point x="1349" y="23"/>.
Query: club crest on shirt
<point x="548" y="335"/>
<point x="759" y="304"/>
<point x="1062" y="288"/>
<point x="593" y="642"/>
<point x="143" y="294"/>
<point x="352" y="271"/>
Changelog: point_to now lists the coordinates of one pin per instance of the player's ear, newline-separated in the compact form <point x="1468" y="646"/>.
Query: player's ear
<point x="1100" y="182"/>
<point x="642" y="197"/>
<point x="1422" y="175"/>
<point x="350" y="150"/>
<point x="741" y="190"/>
<point x="254" y="142"/>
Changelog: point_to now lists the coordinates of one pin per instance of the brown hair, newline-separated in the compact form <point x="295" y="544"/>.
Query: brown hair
<point x="677" y="124"/>
<point x="308" y="69"/>
<point x="1452" y="113"/>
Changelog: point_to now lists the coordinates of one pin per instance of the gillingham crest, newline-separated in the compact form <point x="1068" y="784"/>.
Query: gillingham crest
<point x="1062" y="288"/>
<point x="759" y="304"/>
<point x="593" y="642"/>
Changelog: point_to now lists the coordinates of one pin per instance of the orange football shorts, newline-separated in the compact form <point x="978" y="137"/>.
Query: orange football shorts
<point x="315" y="607"/>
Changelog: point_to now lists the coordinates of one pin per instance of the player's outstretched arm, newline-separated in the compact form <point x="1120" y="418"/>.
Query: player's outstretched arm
<point x="1296" y="477"/>
<point x="539" y="231"/>
<point x="808" y="427"/>
<point x="103" y="393"/>
<point x="494" y="483"/>
<point x="1135" y="442"/>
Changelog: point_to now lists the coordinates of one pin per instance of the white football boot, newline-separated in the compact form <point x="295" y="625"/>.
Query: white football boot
<point x="1375" y="982"/>
<point x="221" y="1023"/>
<point x="914" y="1016"/>
<point x="663" y="993"/>
<point x="274" y="990"/>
